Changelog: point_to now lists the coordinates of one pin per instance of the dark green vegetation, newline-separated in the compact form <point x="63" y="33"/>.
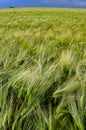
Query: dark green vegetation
<point x="42" y="69"/>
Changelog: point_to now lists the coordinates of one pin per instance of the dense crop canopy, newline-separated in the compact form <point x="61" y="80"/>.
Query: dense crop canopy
<point x="42" y="69"/>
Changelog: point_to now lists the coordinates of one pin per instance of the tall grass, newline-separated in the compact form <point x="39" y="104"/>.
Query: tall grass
<point x="42" y="69"/>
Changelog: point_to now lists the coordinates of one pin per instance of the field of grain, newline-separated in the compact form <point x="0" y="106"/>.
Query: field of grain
<point x="42" y="69"/>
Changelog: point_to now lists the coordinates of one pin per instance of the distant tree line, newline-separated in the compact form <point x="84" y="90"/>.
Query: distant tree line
<point x="11" y="7"/>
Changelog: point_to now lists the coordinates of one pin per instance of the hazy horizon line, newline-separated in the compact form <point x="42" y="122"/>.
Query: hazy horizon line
<point x="43" y="7"/>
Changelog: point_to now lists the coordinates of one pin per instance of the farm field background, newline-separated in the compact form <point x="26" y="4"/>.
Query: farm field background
<point x="42" y="69"/>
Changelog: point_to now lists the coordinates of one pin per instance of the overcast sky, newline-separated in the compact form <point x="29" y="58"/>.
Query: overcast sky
<point x="43" y="3"/>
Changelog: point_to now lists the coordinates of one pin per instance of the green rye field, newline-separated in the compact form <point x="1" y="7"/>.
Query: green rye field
<point x="42" y="69"/>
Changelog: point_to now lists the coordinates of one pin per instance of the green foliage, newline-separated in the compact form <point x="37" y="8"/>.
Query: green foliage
<point x="42" y="69"/>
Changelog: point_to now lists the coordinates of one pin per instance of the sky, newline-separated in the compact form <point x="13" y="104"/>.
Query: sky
<point x="43" y="3"/>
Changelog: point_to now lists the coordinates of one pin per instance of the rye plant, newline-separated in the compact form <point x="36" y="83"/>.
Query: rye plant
<point x="42" y="69"/>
